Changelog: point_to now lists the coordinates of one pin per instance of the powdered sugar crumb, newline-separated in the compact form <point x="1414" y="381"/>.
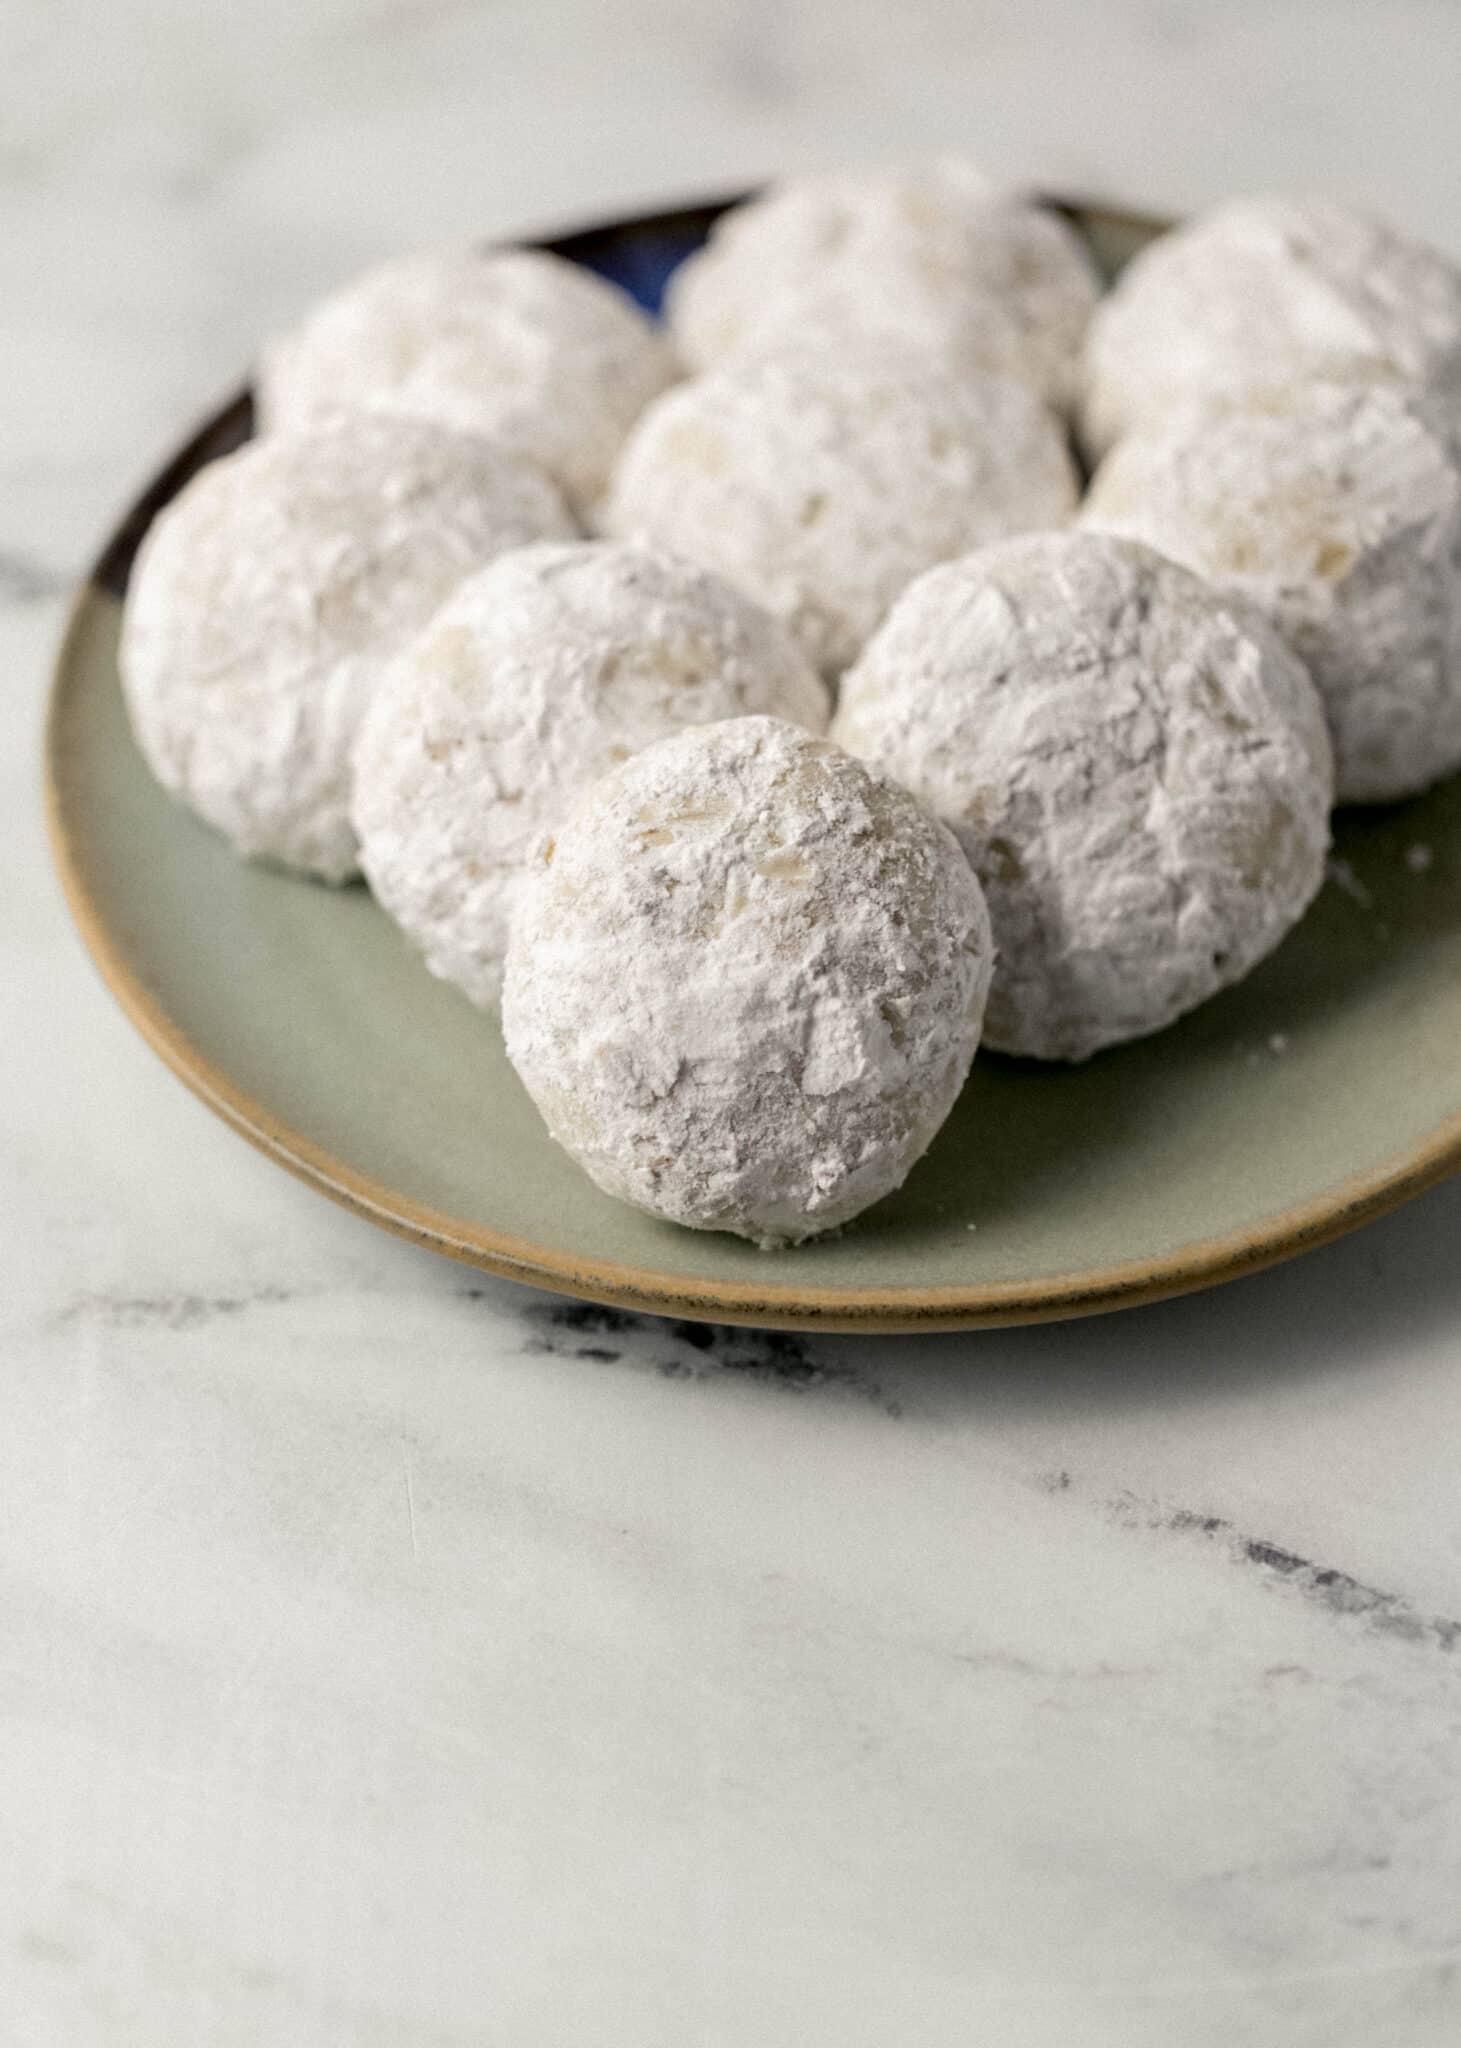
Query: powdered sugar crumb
<point x="1343" y="876"/>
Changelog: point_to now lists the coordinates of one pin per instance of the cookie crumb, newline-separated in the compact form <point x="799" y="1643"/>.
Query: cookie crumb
<point x="1344" y="877"/>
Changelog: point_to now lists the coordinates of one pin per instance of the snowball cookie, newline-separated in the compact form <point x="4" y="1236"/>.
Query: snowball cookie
<point x="512" y="343"/>
<point x="823" y="487"/>
<point x="273" y="591"/>
<point x="745" y="984"/>
<point x="1337" y="509"/>
<point x="1268" y="291"/>
<point x="541" y="674"/>
<point x="931" y="257"/>
<point x="1136" y="766"/>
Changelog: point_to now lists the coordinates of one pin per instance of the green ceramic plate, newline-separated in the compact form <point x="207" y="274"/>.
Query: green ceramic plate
<point x="1323" y="1091"/>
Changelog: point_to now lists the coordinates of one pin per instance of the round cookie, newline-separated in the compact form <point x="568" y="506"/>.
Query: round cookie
<point x="1337" y="510"/>
<point x="1261" y="292"/>
<point x="270" y="595"/>
<point x="823" y="487"/>
<point x="524" y="347"/>
<point x="539" y="675"/>
<point x="1136" y="766"/>
<point x="768" y="247"/>
<point x="929" y="257"/>
<point x="745" y="985"/>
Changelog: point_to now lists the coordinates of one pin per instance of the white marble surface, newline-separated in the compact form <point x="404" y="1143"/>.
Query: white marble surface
<point x="390" y="1659"/>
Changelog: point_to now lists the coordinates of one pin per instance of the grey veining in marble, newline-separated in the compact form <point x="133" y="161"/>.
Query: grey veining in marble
<point x="391" y="1658"/>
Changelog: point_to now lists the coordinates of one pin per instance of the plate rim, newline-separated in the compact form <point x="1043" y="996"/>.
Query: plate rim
<point x="1200" y="1263"/>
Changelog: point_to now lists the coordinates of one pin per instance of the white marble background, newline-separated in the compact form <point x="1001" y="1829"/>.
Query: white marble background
<point x="393" y="1659"/>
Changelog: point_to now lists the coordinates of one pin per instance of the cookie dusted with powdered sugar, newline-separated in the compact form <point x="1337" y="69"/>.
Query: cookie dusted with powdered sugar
<point x="271" y="594"/>
<point x="1337" y="509"/>
<point x="928" y="257"/>
<point x="541" y="673"/>
<point x="1262" y="292"/>
<point x="1135" y="764"/>
<point x="745" y="984"/>
<point x="516" y="344"/>
<point x="823" y="486"/>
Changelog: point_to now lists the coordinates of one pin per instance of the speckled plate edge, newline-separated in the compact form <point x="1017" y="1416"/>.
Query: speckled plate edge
<point x="1202" y="1263"/>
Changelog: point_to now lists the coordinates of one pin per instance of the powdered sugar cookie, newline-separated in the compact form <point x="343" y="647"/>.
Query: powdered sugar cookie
<point x="1337" y="509"/>
<point x="823" y="487"/>
<point x="928" y="257"/>
<point x="270" y="595"/>
<point x="1136" y="766"/>
<point x="1261" y="292"/>
<point x="540" y="674"/>
<point x="516" y="344"/>
<point x="745" y="985"/>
